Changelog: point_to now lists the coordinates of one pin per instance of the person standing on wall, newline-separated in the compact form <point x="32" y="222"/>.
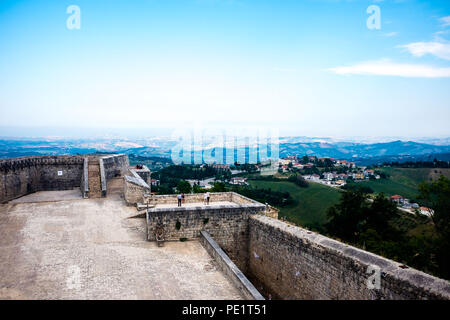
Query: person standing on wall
<point x="207" y="198"/>
<point x="179" y="199"/>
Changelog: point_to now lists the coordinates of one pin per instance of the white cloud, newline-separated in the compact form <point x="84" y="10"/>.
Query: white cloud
<point x="445" y="21"/>
<point x="438" y="49"/>
<point x="391" y="34"/>
<point x="442" y="32"/>
<point x="386" y="67"/>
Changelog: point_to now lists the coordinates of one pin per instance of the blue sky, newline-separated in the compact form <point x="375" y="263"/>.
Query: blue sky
<point x="304" y="67"/>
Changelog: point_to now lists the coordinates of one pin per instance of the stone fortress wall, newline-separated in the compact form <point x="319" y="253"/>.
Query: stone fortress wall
<point x="226" y="224"/>
<point x="115" y="165"/>
<point x="137" y="185"/>
<point x="287" y="261"/>
<point x="294" y="263"/>
<point x="21" y="176"/>
<point x="112" y="166"/>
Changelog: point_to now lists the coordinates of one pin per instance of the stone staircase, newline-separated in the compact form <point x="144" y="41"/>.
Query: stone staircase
<point x="95" y="189"/>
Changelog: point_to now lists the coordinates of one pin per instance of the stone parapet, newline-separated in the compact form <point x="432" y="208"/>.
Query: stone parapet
<point x="294" y="263"/>
<point x="233" y="273"/>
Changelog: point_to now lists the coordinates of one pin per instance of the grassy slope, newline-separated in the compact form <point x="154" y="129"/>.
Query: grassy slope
<point x="404" y="181"/>
<point x="310" y="203"/>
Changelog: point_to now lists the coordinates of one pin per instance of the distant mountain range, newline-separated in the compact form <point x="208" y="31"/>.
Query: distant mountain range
<point x="161" y="147"/>
<point x="348" y="150"/>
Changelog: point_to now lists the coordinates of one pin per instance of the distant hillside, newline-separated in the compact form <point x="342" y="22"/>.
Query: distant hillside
<point x="363" y="153"/>
<point x="345" y="150"/>
<point x="404" y="181"/>
<point x="402" y="158"/>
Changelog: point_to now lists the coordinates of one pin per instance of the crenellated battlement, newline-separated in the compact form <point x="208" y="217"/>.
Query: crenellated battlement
<point x="24" y="162"/>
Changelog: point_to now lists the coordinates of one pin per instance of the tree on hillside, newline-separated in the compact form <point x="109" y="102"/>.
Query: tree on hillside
<point x="437" y="196"/>
<point x="351" y="185"/>
<point x="184" y="186"/>
<point x="354" y="216"/>
<point x="218" y="187"/>
<point x="346" y="219"/>
<point x="197" y="189"/>
<point x="298" y="180"/>
<point x="328" y="163"/>
<point x="381" y="211"/>
<point x="163" y="189"/>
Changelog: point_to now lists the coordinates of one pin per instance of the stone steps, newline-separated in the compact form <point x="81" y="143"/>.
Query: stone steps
<point x="95" y="189"/>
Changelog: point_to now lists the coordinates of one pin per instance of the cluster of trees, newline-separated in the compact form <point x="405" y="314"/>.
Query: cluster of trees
<point x="304" y="171"/>
<point x="319" y="167"/>
<point x="308" y="171"/>
<point x="266" y="178"/>
<point x="325" y="163"/>
<point x="354" y="187"/>
<point x="354" y="216"/>
<point x="379" y="227"/>
<point x="298" y="180"/>
<point x="173" y="177"/>
<point x="382" y="174"/>
<point x="247" y="167"/>
<point x="185" y="172"/>
<point x="139" y="159"/>
<point x="274" y="198"/>
<point x="437" y="196"/>
<point x="184" y="186"/>
<point x="294" y="178"/>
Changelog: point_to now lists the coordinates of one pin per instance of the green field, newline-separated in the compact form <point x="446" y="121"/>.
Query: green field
<point x="309" y="209"/>
<point x="311" y="204"/>
<point x="404" y="181"/>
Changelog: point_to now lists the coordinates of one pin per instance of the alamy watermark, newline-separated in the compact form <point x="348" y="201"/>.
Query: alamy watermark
<point x="73" y="280"/>
<point x="374" y="279"/>
<point x="74" y="20"/>
<point x="227" y="146"/>
<point x="374" y="20"/>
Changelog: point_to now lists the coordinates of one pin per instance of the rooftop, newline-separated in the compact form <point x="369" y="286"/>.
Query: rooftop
<point x="58" y="246"/>
<point x="218" y="200"/>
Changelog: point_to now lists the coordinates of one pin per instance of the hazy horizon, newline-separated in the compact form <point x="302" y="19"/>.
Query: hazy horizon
<point x="73" y="133"/>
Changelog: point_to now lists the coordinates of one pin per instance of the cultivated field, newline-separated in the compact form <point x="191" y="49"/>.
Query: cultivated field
<point x="311" y="204"/>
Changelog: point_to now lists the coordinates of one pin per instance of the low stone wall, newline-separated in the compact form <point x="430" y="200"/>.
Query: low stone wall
<point x="112" y="166"/>
<point x="84" y="186"/>
<point x="134" y="190"/>
<point x="271" y="212"/>
<point x="238" y="198"/>
<point x="103" y="179"/>
<point x="199" y="198"/>
<point x="21" y="176"/>
<point x="227" y="225"/>
<point x="294" y="263"/>
<point x="229" y="268"/>
<point x="115" y="165"/>
<point x="144" y="173"/>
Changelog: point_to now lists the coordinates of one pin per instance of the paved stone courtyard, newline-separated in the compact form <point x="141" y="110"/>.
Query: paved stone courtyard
<point x="55" y="246"/>
<point x="49" y="196"/>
